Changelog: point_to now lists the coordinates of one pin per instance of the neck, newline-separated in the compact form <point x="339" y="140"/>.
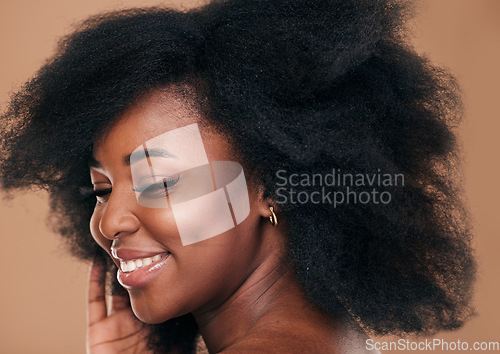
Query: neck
<point x="267" y="291"/>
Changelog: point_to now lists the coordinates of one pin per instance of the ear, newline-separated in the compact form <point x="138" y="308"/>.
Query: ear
<point x="264" y="204"/>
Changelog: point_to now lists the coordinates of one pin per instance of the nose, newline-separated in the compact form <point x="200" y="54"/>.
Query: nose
<point x="118" y="217"/>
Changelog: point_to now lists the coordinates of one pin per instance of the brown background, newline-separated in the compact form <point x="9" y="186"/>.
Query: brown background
<point x="42" y="295"/>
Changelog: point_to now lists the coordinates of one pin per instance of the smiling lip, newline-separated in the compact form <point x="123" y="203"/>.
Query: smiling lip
<point x="128" y="254"/>
<point x="138" y="268"/>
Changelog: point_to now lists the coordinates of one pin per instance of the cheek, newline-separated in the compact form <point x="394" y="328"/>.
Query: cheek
<point x="188" y="223"/>
<point x="96" y="233"/>
<point x="200" y="274"/>
<point x="209" y="215"/>
<point x="160" y="226"/>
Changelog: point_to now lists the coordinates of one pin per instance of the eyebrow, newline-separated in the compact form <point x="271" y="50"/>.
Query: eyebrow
<point x="137" y="156"/>
<point x="147" y="153"/>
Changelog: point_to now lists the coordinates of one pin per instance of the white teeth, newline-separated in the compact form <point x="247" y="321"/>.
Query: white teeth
<point x="132" y="265"/>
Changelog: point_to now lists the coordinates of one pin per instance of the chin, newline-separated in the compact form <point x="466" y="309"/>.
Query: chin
<point x="146" y="314"/>
<point x="151" y="312"/>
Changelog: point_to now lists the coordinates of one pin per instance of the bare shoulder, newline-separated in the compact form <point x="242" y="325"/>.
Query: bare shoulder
<point x="305" y="335"/>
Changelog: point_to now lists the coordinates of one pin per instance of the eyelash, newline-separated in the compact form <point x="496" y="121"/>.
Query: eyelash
<point x="100" y="194"/>
<point x="89" y="192"/>
<point x="159" y="188"/>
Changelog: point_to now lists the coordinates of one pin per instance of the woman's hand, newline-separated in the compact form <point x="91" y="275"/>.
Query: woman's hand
<point x="114" y="329"/>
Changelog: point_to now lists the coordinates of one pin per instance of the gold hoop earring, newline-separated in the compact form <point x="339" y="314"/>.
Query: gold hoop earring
<point x="273" y="218"/>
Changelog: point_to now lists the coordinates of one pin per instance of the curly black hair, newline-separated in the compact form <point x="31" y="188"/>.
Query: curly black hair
<point x="299" y="86"/>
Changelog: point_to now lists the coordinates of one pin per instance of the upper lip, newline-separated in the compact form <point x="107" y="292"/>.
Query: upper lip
<point x="129" y="254"/>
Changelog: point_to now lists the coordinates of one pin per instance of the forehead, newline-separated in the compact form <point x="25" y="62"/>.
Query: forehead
<point x="147" y="117"/>
<point x="154" y="115"/>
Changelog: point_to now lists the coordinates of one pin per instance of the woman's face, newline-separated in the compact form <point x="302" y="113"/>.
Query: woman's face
<point x="177" y="265"/>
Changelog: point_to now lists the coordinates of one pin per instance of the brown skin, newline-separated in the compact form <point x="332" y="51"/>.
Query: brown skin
<point x="240" y="291"/>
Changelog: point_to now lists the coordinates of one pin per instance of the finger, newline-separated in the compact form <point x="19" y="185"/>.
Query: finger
<point x="96" y="305"/>
<point x="117" y="303"/>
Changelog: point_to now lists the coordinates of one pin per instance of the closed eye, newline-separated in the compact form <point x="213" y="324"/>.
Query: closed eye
<point x="101" y="195"/>
<point x="158" y="189"/>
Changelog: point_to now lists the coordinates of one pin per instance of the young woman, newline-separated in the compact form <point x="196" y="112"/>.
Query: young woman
<point x="269" y="176"/>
